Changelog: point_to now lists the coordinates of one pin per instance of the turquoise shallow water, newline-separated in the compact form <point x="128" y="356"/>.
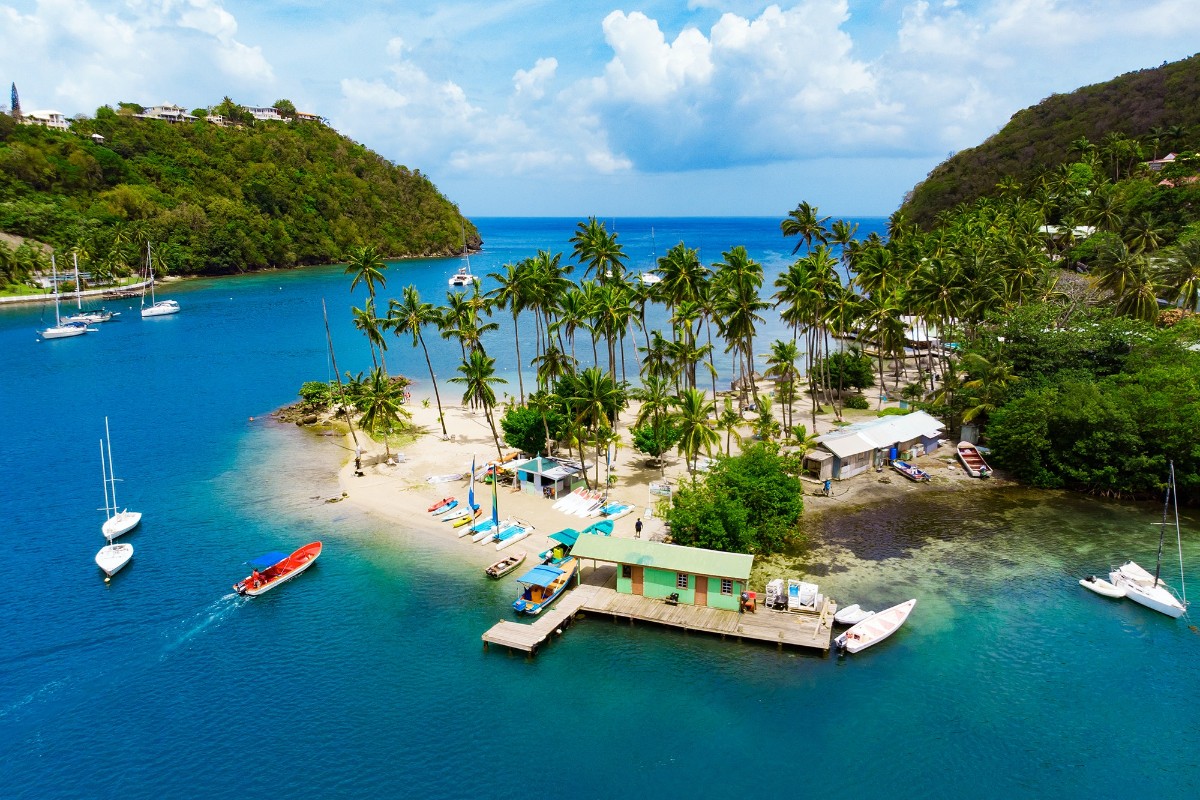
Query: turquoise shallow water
<point x="367" y="674"/>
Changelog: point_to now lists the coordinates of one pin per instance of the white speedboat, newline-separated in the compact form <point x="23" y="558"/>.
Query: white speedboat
<point x="112" y="557"/>
<point x="876" y="629"/>
<point x="116" y="522"/>
<point x="1102" y="587"/>
<point x="852" y="615"/>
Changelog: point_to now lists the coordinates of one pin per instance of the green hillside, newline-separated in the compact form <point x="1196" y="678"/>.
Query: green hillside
<point x="1157" y="108"/>
<point x="213" y="200"/>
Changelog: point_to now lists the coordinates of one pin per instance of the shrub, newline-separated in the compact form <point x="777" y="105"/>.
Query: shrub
<point x="857" y="401"/>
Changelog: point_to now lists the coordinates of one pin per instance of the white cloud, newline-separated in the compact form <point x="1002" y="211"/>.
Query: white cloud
<point x="532" y="83"/>
<point x="645" y="69"/>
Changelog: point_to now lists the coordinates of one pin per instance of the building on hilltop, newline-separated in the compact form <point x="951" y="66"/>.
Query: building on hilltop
<point x="48" y="118"/>
<point x="264" y="113"/>
<point x="167" y="112"/>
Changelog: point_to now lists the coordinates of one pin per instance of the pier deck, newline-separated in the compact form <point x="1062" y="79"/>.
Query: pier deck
<point x="812" y="629"/>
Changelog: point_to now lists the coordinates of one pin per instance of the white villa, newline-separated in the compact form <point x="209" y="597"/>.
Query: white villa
<point x="167" y="113"/>
<point x="51" y="119"/>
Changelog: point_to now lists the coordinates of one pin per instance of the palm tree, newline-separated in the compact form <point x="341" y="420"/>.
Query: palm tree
<point x="411" y="316"/>
<point x="511" y="293"/>
<point x="737" y="282"/>
<point x="595" y="400"/>
<point x="729" y="421"/>
<point x="367" y="266"/>
<point x="991" y="381"/>
<point x="478" y="375"/>
<point x="693" y="410"/>
<point x="366" y="321"/>
<point x="804" y="222"/>
<point x="552" y="365"/>
<point x="881" y="315"/>
<point x="781" y="366"/>
<point x="1182" y="274"/>
<point x="380" y="400"/>
<point x="598" y="249"/>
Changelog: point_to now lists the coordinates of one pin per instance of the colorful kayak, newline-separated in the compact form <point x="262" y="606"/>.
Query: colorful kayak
<point x="277" y="568"/>
<point x="439" y="504"/>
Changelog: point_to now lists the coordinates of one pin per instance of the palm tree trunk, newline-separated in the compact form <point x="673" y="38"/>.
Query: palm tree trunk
<point x="520" y="364"/>
<point x="495" y="436"/>
<point x="433" y="379"/>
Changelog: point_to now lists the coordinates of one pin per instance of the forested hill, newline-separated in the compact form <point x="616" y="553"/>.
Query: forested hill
<point x="1159" y="109"/>
<point x="215" y="200"/>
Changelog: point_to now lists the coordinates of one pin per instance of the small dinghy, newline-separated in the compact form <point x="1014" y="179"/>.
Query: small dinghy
<point x="852" y="615"/>
<point x="875" y="629"/>
<point x="1102" y="587"/>
<point x="505" y="565"/>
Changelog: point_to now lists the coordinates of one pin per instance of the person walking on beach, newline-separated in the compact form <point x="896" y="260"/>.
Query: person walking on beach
<point x="637" y="528"/>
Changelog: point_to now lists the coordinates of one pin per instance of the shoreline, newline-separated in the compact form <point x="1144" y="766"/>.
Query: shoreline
<point x="400" y="494"/>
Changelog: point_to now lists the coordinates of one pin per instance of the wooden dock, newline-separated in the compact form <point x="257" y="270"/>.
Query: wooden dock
<point x="809" y="629"/>
<point x="529" y="637"/>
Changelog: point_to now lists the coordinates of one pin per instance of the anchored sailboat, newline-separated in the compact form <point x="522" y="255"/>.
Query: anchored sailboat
<point x="156" y="309"/>
<point x="1149" y="590"/>
<point x="61" y="328"/>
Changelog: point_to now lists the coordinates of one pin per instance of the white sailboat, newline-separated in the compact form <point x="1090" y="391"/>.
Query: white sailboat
<point x="87" y="317"/>
<point x="114" y="555"/>
<point x="156" y="309"/>
<point x="61" y="328"/>
<point x="116" y="522"/>
<point x="464" y="277"/>
<point x="1149" y="590"/>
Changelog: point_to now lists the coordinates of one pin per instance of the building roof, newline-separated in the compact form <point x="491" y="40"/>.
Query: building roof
<point x="883" y="432"/>
<point x="672" y="557"/>
<point x="549" y="468"/>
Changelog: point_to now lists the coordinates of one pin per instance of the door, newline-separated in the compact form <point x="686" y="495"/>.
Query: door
<point x="637" y="580"/>
<point x="701" y="591"/>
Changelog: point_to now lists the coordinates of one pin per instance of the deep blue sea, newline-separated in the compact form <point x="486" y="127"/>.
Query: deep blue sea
<point x="366" y="676"/>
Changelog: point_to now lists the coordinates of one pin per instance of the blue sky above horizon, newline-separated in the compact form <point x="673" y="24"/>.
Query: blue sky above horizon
<point x="543" y="108"/>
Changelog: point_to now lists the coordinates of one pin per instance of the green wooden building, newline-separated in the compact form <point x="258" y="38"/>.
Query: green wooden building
<point x="656" y="570"/>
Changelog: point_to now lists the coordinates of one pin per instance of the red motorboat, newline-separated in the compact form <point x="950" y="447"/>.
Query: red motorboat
<point x="439" y="504"/>
<point x="272" y="569"/>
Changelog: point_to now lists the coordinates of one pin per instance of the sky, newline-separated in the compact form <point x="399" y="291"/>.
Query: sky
<point x="577" y="108"/>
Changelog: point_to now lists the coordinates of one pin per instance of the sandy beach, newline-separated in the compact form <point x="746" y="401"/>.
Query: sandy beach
<point x="399" y="490"/>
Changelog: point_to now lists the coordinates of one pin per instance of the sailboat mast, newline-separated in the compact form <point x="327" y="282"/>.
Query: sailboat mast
<point x="54" y="277"/>
<point x="78" y="292"/>
<point x="1163" y="527"/>
<point x="112" y="473"/>
<point x="1178" y="537"/>
<point x="104" y="482"/>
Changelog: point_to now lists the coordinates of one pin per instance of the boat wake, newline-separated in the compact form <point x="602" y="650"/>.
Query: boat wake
<point x="213" y="614"/>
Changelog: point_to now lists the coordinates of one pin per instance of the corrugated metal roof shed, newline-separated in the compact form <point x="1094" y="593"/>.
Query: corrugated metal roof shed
<point x="672" y="557"/>
<point x="883" y="432"/>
